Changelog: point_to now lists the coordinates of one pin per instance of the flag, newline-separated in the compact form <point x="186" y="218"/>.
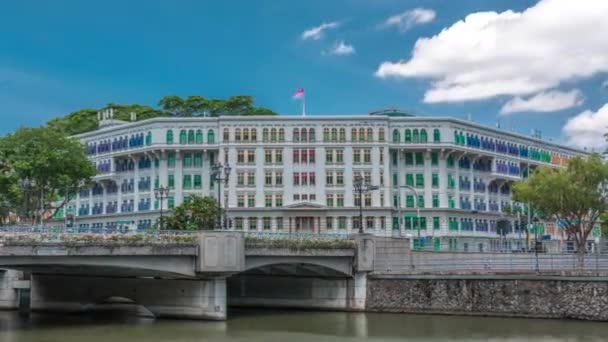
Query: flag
<point x="299" y="94"/>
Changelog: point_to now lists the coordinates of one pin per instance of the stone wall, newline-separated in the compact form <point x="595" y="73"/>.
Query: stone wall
<point x="540" y="297"/>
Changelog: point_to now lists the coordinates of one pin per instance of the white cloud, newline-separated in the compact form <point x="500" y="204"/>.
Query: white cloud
<point x="407" y="19"/>
<point x="510" y="53"/>
<point x="341" y="49"/>
<point x="316" y="33"/>
<point x="548" y="101"/>
<point x="605" y="85"/>
<point x="587" y="129"/>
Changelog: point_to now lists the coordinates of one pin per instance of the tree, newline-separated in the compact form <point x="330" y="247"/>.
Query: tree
<point x="196" y="213"/>
<point x="576" y="196"/>
<point x="172" y="104"/>
<point x="57" y="163"/>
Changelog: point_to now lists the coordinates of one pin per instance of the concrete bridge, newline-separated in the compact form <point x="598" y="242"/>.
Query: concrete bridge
<point x="194" y="280"/>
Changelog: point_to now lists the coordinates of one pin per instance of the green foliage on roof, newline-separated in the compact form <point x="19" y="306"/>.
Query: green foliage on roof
<point x="85" y="120"/>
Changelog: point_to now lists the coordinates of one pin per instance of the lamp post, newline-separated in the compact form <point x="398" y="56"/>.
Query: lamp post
<point x="160" y="194"/>
<point x="188" y="213"/>
<point x="78" y="186"/>
<point x="27" y="185"/>
<point x="361" y="187"/>
<point x="412" y="189"/>
<point x="220" y="173"/>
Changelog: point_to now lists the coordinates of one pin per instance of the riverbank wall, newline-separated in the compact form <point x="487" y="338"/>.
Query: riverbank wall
<point x="530" y="296"/>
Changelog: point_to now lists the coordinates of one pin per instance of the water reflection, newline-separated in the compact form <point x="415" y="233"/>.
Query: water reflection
<point x="293" y="326"/>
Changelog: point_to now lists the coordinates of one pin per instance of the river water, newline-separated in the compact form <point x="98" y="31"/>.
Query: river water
<point x="293" y="326"/>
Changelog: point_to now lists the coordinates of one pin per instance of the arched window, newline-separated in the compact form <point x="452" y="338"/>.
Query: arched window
<point x="191" y="136"/>
<point x="170" y="137"/>
<point x="408" y="136"/>
<point x="311" y="134"/>
<point x="370" y="134"/>
<point x="342" y="134"/>
<point x="183" y="136"/>
<point x="237" y="134"/>
<point x="304" y="134"/>
<point x="361" y="134"/>
<point x="210" y="136"/>
<point x="334" y="134"/>
<point x="265" y="134"/>
<point x="436" y="135"/>
<point x="199" y="136"/>
<point x="381" y="134"/>
<point x="254" y="134"/>
<point x="281" y="134"/>
<point x="226" y="135"/>
<point x="416" y="136"/>
<point x="353" y="134"/>
<point x="423" y="136"/>
<point x="273" y="134"/>
<point x="296" y="134"/>
<point x="149" y="138"/>
<point x="325" y="134"/>
<point x="245" y="134"/>
<point x="396" y="136"/>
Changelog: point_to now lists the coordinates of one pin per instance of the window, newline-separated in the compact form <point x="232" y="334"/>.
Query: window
<point x="279" y="221"/>
<point x="381" y="154"/>
<point x="435" y="201"/>
<point x="329" y="223"/>
<point x="226" y="135"/>
<point x="245" y="134"/>
<point x="435" y="180"/>
<point x="409" y="158"/>
<point x="251" y="156"/>
<point x="198" y="159"/>
<point x="342" y="134"/>
<point x="198" y="181"/>
<point x="369" y="222"/>
<point x="251" y="178"/>
<point x="240" y="156"/>
<point x="409" y="179"/>
<point x="329" y="199"/>
<point x="240" y="178"/>
<point x="187" y="182"/>
<point x="268" y="156"/>
<point x="238" y="223"/>
<point x="278" y="156"/>
<point x="273" y="134"/>
<point x="342" y="222"/>
<point x="408" y="136"/>
<point x="304" y="156"/>
<point x="149" y="138"/>
<point x="187" y="161"/>
<point x="353" y="134"/>
<point x="415" y="136"/>
<point x="266" y="223"/>
<point x="311" y="156"/>
<point x="171" y="181"/>
<point x="311" y="134"/>
<point x="296" y="156"/>
<point x="329" y="156"/>
<point x="265" y="135"/>
<point x="237" y="134"/>
<point x="254" y="134"/>
<point x="296" y="178"/>
<point x="169" y="137"/>
<point x="240" y="201"/>
<point x="329" y="178"/>
<point x="409" y="201"/>
<point x="303" y="134"/>
<point x="171" y="159"/>
<point x="419" y="180"/>
<point x="436" y="222"/>
<point x="278" y="178"/>
<point x="311" y="178"/>
<point x="268" y="178"/>
<point x="356" y="156"/>
<point x="339" y="156"/>
<point x="253" y="223"/>
<point x="396" y="136"/>
<point x="362" y="134"/>
<point x="419" y="158"/>
<point x="420" y="201"/>
<point x="370" y="135"/>
<point x="304" y="178"/>
<point x="191" y="138"/>
<point x="367" y="156"/>
<point x="367" y="177"/>
<point x="326" y="134"/>
<point x="423" y="136"/>
<point x="268" y="201"/>
<point x="296" y="134"/>
<point x="340" y="178"/>
<point x="434" y="158"/>
<point x="381" y="134"/>
<point x="170" y="202"/>
<point x="367" y="200"/>
<point x="183" y="136"/>
<point x="340" y="200"/>
<point x="278" y="200"/>
<point x="250" y="201"/>
<point x="436" y="135"/>
<point x="210" y="137"/>
<point x="281" y="134"/>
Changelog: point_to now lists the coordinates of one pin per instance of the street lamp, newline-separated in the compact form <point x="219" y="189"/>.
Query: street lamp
<point x="220" y="173"/>
<point x="361" y="187"/>
<point x="188" y="213"/>
<point x="412" y="189"/>
<point x="27" y="185"/>
<point x="160" y="194"/>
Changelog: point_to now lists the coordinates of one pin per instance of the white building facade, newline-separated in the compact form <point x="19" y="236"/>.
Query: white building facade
<point x="442" y="178"/>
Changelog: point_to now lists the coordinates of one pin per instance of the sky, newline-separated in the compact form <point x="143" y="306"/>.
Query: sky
<point x="521" y="64"/>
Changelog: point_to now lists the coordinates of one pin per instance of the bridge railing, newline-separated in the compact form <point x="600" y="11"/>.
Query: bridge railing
<point x="295" y="236"/>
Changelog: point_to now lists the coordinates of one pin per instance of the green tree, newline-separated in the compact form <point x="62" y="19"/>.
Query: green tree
<point x="196" y="213"/>
<point x="574" y="195"/>
<point x="57" y="163"/>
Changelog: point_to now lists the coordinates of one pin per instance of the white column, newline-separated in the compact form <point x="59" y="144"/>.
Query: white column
<point x="178" y="176"/>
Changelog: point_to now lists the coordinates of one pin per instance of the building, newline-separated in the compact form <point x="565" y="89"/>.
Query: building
<point x="451" y="178"/>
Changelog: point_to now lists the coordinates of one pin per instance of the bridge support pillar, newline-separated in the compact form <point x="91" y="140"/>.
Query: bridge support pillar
<point x="9" y="298"/>
<point x="203" y="299"/>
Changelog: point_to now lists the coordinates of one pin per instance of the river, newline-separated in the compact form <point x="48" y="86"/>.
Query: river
<point x="293" y="326"/>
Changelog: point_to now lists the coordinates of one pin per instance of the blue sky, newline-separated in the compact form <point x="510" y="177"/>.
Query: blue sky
<point x="60" y="56"/>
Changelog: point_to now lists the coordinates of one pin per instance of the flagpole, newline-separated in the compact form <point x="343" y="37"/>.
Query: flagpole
<point x="304" y="104"/>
